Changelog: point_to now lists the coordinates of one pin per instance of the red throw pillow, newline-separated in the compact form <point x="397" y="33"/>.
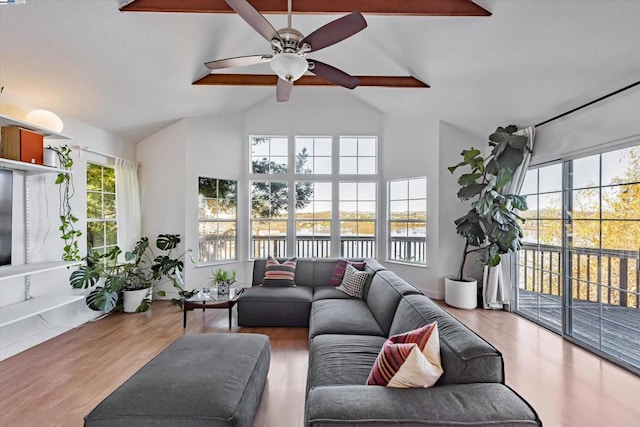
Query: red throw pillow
<point x="409" y="360"/>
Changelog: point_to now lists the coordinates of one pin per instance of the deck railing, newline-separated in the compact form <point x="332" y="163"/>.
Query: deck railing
<point x="608" y="276"/>
<point x="402" y="248"/>
<point x="412" y="249"/>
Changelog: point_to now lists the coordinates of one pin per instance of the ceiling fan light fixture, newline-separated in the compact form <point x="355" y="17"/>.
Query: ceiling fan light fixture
<point x="289" y="66"/>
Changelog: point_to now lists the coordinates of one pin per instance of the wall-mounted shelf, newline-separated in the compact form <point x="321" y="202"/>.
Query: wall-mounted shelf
<point x="48" y="133"/>
<point x="29" y="168"/>
<point x="33" y="268"/>
<point x="23" y="310"/>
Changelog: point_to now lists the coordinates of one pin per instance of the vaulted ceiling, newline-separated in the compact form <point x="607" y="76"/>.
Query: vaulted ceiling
<point x="131" y="73"/>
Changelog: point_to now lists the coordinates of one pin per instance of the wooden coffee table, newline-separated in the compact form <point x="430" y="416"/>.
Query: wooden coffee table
<point x="212" y="300"/>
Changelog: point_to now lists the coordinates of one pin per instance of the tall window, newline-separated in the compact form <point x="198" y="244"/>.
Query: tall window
<point x="578" y="270"/>
<point x="269" y="215"/>
<point x="313" y="196"/>
<point x="217" y="217"/>
<point x="313" y="219"/>
<point x="102" y="229"/>
<point x="408" y="220"/>
<point x="358" y="219"/>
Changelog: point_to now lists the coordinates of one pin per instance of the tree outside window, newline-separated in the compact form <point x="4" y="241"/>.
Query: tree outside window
<point x="217" y="218"/>
<point x="102" y="228"/>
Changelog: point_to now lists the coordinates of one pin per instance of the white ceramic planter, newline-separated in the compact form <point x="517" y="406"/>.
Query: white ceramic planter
<point x="50" y="158"/>
<point x="461" y="294"/>
<point x="132" y="299"/>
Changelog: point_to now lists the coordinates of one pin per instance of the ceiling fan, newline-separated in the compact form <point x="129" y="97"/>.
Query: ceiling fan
<point x="290" y="48"/>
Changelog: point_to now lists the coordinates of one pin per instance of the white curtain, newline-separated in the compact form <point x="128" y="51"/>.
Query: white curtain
<point x="497" y="288"/>
<point x="127" y="204"/>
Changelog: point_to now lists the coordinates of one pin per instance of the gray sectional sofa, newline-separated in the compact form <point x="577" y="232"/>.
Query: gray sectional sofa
<point x="346" y="335"/>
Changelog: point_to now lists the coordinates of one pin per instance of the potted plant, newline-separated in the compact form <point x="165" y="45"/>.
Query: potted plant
<point x="222" y="279"/>
<point x="64" y="180"/>
<point x="492" y="225"/>
<point x="129" y="284"/>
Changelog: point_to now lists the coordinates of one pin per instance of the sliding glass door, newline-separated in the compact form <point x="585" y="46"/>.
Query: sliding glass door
<point x="578" y="271"/>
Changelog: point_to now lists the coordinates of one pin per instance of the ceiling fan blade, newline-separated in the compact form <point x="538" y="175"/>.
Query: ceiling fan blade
<point x="332" y="74"/>
<point x="283" y="90"/>
<point x="239" y="61"/>
<point x="335" y="31"/>
<point x="254" y="18"/>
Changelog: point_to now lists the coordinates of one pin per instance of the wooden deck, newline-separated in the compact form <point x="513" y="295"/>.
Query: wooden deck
<point x="609" y="328"/>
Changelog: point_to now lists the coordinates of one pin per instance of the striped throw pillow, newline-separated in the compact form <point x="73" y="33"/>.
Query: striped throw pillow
<point x="276" y="274"/>
<point x="353" y="282"/>
<point x="409" y="360"/>
<point x="338" y="271"/>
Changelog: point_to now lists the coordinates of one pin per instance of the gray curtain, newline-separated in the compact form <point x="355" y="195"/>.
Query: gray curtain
<point x="497" y="282"/>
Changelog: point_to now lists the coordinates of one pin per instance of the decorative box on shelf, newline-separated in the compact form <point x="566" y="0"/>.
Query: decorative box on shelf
<point x="22" y="144"/>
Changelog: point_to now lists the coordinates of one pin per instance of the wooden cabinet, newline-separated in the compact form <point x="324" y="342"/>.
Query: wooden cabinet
<point x="22" y="144"/>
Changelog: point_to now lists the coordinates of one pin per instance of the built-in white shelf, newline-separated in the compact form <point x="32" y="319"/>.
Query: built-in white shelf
<point x="33" y="268"/>
<point x="23" y="310"/>
<point x="29" y="168"/>
<point x="48" y="133"/>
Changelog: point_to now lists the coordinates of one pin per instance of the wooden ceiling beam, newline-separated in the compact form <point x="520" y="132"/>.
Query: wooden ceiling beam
<point x="367" y="7"/>
<point x="272" y="80"/>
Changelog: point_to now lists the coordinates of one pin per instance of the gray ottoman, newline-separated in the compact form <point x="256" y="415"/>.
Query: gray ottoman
<point x="199" y="380"/>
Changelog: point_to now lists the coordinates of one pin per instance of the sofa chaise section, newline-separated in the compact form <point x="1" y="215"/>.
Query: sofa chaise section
<point x="267" y="306"/>
<point x="484" y="404"/>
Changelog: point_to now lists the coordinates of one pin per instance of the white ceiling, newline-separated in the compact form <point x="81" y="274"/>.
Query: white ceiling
<point x="131" y="73"/>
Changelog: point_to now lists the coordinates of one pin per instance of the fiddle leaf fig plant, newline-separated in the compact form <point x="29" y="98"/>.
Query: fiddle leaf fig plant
<point x="492" y="225"/>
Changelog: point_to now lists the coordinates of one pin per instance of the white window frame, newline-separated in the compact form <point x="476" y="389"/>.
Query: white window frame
<point x="391" y="221"/>
<point x="102" y="219"/>
<point x="217" y="219"/>
<point x="291" y="177"/>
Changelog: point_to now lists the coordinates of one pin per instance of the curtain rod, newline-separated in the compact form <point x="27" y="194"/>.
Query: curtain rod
<point x="100" y="153"/>
<point x="588" y="104"/>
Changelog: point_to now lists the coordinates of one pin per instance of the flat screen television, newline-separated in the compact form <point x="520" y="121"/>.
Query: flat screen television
<point x="6" y="192"/>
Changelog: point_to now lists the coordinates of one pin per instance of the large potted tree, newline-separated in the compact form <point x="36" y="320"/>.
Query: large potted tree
<point x="492" y="226"/>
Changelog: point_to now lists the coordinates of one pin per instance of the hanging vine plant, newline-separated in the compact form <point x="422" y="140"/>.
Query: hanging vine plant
<point x="69" y="233"/>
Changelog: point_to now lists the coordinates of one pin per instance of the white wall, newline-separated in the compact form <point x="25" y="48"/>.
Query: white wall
<point x="215" y="148"/>
<point x="45" y="242"/>
<point x="452" y="141"/>
<point x="161" y="174"/>
<point x="410" y="149"/>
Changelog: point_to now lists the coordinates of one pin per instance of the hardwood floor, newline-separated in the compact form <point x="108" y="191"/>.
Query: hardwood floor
<point x="61" y="380"/>
<point x="567" y="385"/>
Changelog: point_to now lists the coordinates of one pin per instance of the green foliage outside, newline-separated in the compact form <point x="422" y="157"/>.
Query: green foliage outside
<point x="604" y="219"/>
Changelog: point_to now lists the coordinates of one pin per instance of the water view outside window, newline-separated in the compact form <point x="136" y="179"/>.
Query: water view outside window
<point x="102" y="228"/>
<point x="578" y="272"/>
<point x="313" y="196"/>
<point x="313" y="219"/>
<point x="408" y="220"/>
<point x="217" y="219"/>
<point x="358" y="219"/>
